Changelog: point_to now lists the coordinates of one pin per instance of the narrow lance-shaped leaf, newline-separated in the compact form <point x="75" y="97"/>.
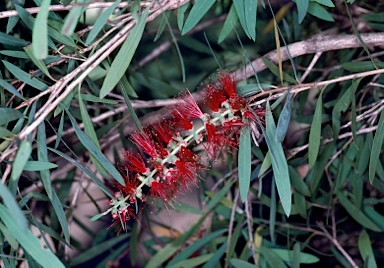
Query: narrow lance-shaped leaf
<point x="22" y="156"/>
<point x="29" y="242"/>
<point x="100" y="22"/>
<point x="90" y="131"/>
<point x="302" y="8"/>
<point x="124" y="56"/>
<point x="199" y="9"/>
<point x="376" y="147"/>
<point x="40" y="32"/>
<point x="10" y="202"/>
<point x="250" y="7"/>
<point x="73" y="17"/>
<point x="315" y="132"/>
<point x="244" y="167"/>
<point x="279" y="163"/>
<point x="42" y="155"/>
<point x="92" y="148"/>
<point x="59" y="211"/>
<point x="284" y="119"/>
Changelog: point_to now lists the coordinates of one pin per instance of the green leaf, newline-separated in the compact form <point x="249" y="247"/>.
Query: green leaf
<point x="73" y="17"/>
<point x="215" y="259"/>
<point x="124" y="56"/>
<point x="98" y="249"/>
<point x="124" y="91"/>
<point x="341" y="106"/>
<point x="279" y="163"/>
<point x="237" y="263"/>
<point x="362" y="66"/>
<point x="28" y="241"/>
<point x="240" y="10"/>
<point x="39" y="32"/>
<point x="93" y="150"/>
<point x="5" y="133"/>
<point x="180" y="15"/>
<point x="318" y="11"/>
<point x="365" y="248"/>
<point x="245" y="158"/>
<point x="271" y="258"/>
<point x="162" y="25"/>
<point x="302" y="8"/>
<point x="91" y="133"/>
<point x="315" y="132"/>
<point x="275" y="70"/>
<point x="15" y="54"/>
<point x="24" y="76"/>
<point x="327" y="3"/>
<point x="8" y="114"/>
<point x="12" y="40"/>
<point x="168" y="250"/>
<point x="86" y="170"/>
<point x="42" y="155"/>
<point x="194" y="262"/>
<point x="39" y="63"/>
<point x="376" y="147"/>
<point x="59" y="211"/>
<point x="100" y="22"/>
<point x="250" y="8"/>
<point x="22" y="156"/>
<point x="284" y="119"/>
<point x="199" y="9"/>
<point x="298" y="183"/>
<point x="229" y="24"/>
<point x="188" y="251"/>
<point x="10" y="89"/>
<point x="356" y="213"/>
<point x="11" y="204"/>
<point x="287" y="256"/>
<point x="39" y="165"/>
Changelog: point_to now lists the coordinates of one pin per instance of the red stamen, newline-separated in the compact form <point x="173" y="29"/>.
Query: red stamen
<point x="145" y="142"/>
<point x="133" y="163"/>
<point x="189" y="107"/>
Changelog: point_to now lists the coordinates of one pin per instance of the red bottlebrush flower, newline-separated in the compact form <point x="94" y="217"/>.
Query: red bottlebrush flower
<point x="233" y="123"/>
<point x="122" y="216"/>
<point x="260" y="112"/>
<point x="214" y="97"/>
<point x="161" y="151"/>
<point x="189" y="107"/>
<point x="145" y="142"/>
<point x="131" y="184"/>
<point x="162" y="132"/>
<point x="237" y="103"/>
<point x="187" y="155"/>
<point x="180" y="122"/>
<point x="186" y="172"/>
<point x="133" y="163"/>
<point x="164" y="191"/>
<point x="228" y="84"/>
<point x="217" y="141"/>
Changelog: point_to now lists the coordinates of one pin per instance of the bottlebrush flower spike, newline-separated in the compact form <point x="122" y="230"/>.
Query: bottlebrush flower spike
<point x="214" y="97"/>
<point x="133" y="163"/>
<point x="189" y="107"/>
<point x="145" y="142"/>
<point x="170" y="167"/>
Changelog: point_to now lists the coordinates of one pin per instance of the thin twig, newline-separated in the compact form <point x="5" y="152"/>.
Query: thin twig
<point x="337" y="245"/>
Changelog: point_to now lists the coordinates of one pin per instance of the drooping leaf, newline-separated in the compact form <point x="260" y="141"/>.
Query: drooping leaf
<point x="284" y="119"/>
<point x="40" y="32"/>
<point x="315" y="132"/>
<point x="8" y="115"/>
<point x="302" y="8"/>
<point x="229" y="24"/>
<point x="124" y="56"/>
<point x="100" y="22"/>
<point x="29" y="242"/>
<point x="42" y="155"/>
<point x="279" y="163"/>
<point x="250" y="7"/>
<point x="199" y="9"/>
<point x="244" y="157"/>
<point x="376" y="147"/>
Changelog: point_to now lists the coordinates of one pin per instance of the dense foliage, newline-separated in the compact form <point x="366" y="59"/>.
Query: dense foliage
<point x="273" y="156"/>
